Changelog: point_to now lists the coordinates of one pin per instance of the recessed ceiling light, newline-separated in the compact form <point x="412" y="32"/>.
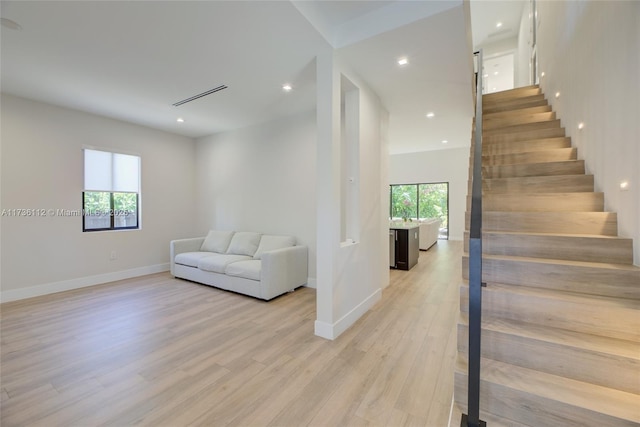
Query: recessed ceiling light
<point x="444" y="141"/>
<point x="495" y="73"/>
<point x="580" y="125"/>
<point x="430" y="115"/>
<point x="557" y="94"/>
<point x="499" y="24"/>
<point x="287" y="87"/>
<point x="624" y="185"/>
<point x="180" y="120"/>
<point x="8" y="23"/>
<point x="494" y="89"/>
<point x="403" y="61"/>
<point x="542" y="74"/>
<point x="485" y="75"/>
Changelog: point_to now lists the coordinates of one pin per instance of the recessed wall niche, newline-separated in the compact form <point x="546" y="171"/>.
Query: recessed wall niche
<point x="349" y="161"/>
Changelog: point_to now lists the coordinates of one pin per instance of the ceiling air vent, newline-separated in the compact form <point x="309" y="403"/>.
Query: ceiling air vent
<point x="200" y="95"/>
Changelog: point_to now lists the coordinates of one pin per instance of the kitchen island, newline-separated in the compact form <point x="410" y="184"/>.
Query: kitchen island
<point x="404" y="245"/>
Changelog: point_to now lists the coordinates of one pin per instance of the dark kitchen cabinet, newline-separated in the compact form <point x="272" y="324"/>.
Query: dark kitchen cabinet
<point x="404" y="247"/>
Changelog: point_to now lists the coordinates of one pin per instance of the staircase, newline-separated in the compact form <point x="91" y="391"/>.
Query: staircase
<point x="561" y="309"/>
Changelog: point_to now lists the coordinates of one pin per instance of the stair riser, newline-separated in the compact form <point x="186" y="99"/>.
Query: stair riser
<point x="554" y="155"/>
<point x="570" y="248"/>
<point x="519" y="128"/>
<point x="571" y="167"/>
<point x="516" y="113"/>
<point x="599" y="223"/>
<point x="544" y="184"/>
<point x="554" y="132"/>
<point x="515" y="120"/>
<point x="513" y="105"/>
<point x="525" y="146"/>
<point x="516" y="93"/>
<point x="594" y="367"/>
<point x="530" y="409"/>
<point x="610" y="282"/>
<point x="544" y="202"/>
<point x="613" y="321"/>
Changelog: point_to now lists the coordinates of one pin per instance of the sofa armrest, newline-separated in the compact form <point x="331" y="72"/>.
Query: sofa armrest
<point x="283" y="270"/>
<point x="183" y="245"/>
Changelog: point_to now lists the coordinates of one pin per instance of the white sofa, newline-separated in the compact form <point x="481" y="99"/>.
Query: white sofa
<point x="429" y="230"/>
<point x="262" y="266"/>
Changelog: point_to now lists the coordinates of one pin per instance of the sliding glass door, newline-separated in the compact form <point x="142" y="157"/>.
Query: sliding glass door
<point x="421" y="201"/>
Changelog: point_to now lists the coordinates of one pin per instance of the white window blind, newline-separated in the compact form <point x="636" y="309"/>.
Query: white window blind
<point x="113" y="172"/>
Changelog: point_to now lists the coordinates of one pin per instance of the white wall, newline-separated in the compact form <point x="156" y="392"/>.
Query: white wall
<point x="523" y="54"/>
<point x="350" y="276"/>
<point x="590" y="53"/>
<point x="42" y="168"/>
<point x="450" y="166"/>
<point x="261" y="178"/>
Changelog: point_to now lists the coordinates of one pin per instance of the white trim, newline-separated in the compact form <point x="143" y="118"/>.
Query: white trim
<point x="81" y="282"/>
<point x="111" y="150"/>
<point x="451" y="412"/>
<point x="312" y="282"/>
<point x="324" y="330"/>
<point x="331" y="332"/>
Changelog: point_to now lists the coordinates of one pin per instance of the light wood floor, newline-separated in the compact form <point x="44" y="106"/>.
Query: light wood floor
<point x="157" y="351"/>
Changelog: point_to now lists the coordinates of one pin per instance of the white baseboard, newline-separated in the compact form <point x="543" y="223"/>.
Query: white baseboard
<point x="333" y="331"/>
<point x="81" y="282"/>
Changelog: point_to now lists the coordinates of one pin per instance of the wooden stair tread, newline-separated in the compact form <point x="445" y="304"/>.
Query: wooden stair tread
<point x="516" y="120"/>
<point x="493" y="101"/>
<point x="524" y="135"/>
<point x="618" y="347"/>
<point x="522" y="127"/>
<point x="574" y="247"/>
<point x="543" y="202"/>
<point x="605" y="223"/>
<point x="532" y="143"/>
<point x="537" y="156"/>
<point x="580" y="277"/>
<point x="576" y="183"/>
<point x="602" y="265"/>
<point x="516" y="113"/>
<point x="592" y="314"/>
<point x="514" y="92"/>
<point x="592" y="399"/>
<point x="529" y="233"/>
<point x="514" y="104"/>
<point x="561" y="295"/>
<point x="566" y="167"/>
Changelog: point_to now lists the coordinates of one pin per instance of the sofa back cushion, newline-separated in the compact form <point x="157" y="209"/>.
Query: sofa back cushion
<point x="244" y="243"/>
<point x="271" y="242"/>
<point x="217" y="241"/>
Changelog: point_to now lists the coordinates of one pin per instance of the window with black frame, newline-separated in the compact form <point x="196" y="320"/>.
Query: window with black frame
<point x="111" y="195"/>
<point x="418" y="202"/>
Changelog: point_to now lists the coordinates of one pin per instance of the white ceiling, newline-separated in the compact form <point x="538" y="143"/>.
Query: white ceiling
<point x="486" y="14"/>
<point x="499" y="42"/>
<point x="132" y="60"/>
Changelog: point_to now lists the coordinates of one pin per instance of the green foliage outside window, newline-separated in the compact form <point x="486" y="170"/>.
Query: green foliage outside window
<point x="434" y="202"/>
<point x="104" y="210"/>
<point x="404" y="201"/>
<point x="96" y="201"/>
<point x="421" y="201"/>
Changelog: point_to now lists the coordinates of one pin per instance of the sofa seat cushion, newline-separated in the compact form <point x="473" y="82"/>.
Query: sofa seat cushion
<point x="191" y="259"/>
<point x="218" y="263"/>
<point x="246" y="269"/>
